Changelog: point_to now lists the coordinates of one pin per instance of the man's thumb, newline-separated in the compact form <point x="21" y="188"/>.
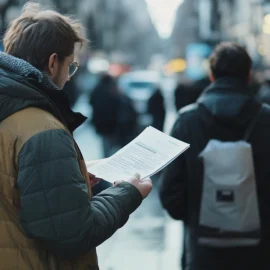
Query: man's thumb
<point x="116" y="183"/>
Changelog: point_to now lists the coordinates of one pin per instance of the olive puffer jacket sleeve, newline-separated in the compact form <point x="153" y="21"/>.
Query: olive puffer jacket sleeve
<point x="55" y="206"/>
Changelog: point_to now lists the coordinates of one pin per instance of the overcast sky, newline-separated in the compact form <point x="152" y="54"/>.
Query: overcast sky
<point x="162" y="13"/>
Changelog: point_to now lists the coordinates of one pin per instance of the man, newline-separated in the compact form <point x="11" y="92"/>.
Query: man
<point x="48" y="216"/>
<point x="223" y="112"/>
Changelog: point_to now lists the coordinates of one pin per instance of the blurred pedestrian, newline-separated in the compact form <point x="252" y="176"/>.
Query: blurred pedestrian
<point x="226" y="112"/>
<point x="113" y="115"/>
<point x="127" y="120"/>
<point x="188" y="92"/>
<point x="184" y="95"/>
<point x="199" y="86"/>
<point x="156" y="108"/>
<point x="48" y="216"/>
<point x="72" y="92"/>
<point x="105" y="104"/>
<point x="264" y="91"/>
<point x="256" y="81"/>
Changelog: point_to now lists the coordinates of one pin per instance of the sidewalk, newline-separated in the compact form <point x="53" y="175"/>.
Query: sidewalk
<point x="149" y="241"/>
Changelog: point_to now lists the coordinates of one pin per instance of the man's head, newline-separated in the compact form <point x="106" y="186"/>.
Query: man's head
<point x="45" y="39"/>
<point x="230" y="60"/>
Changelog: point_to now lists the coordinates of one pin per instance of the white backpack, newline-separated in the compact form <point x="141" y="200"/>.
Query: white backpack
<point x="229" y="211"/>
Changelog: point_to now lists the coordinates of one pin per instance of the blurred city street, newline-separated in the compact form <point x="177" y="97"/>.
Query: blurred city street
<point x="126" y="65"/>
<point x="150" y="240"/>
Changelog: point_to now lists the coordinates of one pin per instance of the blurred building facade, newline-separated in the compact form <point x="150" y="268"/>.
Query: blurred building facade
<point x="121" y="29"/>
<point x="197" y="21"/>
<point x="185" y="30"/>
<point x="212" y="21"/>
<point x="248" y="22"/>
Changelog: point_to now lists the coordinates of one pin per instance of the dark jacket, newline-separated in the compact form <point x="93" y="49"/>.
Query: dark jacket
<point x="48" y="217"/>
<point x="232" y="109"/>
<point x="156" y="108"/>
<point x="188" y="93"/>
<point x="105" y="103"/>
<point x="113" y="113"/>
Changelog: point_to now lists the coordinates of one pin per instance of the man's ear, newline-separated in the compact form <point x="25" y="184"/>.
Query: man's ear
<point x="211" y="77"/>
<point x="53" y="65"/>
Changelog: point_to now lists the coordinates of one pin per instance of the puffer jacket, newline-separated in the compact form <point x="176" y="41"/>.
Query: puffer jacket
<point x="48" y="217"/>
<point x="230" y="109"/>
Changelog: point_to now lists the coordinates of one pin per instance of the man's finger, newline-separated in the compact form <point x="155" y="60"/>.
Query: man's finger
<point x="117" y="182"/>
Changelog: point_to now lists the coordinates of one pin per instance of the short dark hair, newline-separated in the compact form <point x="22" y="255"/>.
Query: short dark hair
<point x="230" y="60"/>
<point x="37" y="33"/>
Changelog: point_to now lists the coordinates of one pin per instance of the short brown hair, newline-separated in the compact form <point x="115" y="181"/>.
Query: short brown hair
<point x="38" y="33"/>
<point x="230" y="59"/>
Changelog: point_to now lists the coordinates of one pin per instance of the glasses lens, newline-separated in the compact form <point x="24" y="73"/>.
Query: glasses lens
<point x="72" y="69"/>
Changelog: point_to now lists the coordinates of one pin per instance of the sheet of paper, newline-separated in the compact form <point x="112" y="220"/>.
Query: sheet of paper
<point x="147" y="154"/>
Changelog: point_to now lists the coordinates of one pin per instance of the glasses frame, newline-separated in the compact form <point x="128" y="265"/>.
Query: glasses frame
<point x="75" y="70"/>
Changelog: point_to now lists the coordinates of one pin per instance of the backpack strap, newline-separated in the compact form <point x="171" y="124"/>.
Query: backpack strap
<point x="252" y="124"/>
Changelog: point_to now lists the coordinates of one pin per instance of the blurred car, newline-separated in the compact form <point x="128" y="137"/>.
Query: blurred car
<point x="139" y="86"/>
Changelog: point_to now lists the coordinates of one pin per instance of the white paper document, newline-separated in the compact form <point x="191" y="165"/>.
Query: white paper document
<point x="148" y="153"/>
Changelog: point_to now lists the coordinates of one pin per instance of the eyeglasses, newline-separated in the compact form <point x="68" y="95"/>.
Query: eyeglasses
<point x="73" y="67"/>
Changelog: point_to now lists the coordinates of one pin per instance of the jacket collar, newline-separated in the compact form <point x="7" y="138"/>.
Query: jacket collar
<point x="229" y="99"/>
<point x="38" y="91"/>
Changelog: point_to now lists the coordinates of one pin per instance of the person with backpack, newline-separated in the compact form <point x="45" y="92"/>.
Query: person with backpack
<point x="220" y="187"/>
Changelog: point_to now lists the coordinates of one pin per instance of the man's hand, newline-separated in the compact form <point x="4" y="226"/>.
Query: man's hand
<point x="92" y="179"/>
<point x="144" y="186"/>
